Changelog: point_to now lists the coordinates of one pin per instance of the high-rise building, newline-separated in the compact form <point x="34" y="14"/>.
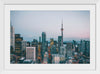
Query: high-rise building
<point x="12" y="38"/>
<point x="18" y="45"/>
<point x="43" y="44"/>
<point x="82" y="46"/>
<point x="87" y="48"/>
<point x="40" y="39"/>
<point x="43" y="37"/>
<point x="35" y="44"/>
<point x="39" y="56"/>
<point x="52" y="46"/>
<point x="24" y="45"/>
<point x="30" y="53"/>
<point x="69" y="50"/>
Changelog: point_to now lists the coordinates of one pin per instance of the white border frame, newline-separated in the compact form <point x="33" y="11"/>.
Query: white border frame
<point x="90" y="66"/>
<point x="2" y="31"/>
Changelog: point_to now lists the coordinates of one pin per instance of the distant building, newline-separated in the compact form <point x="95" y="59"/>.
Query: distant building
<point x="45" y="59"/>
<point x="63" y="51"/>
<point x="62" y="59"/>
<point x="28" y="44"/>
<point x="43" y="43"/>
<point x="35" y="44"/>
<point x="82" y="43"/>
<point x="39" y="55"/>
<point x="55" y="43"/>
<point x="87" y="48"/>
<point x="76" y="48"/>
<point x="31" y="53"/>
<point x="49" y="56"/>
<point x="55" y="58"/>
<point x="40" y="39"/>
<point x="24" y="45"/>
<point x="51" y="42"/>
<point x="74" y="43"/>
<point x="43" y="37"/>
<point x="18" y="45"/>
<point x="52" y="47"/>
<point x="46" y="44"/>
<point x="12" y="38"/>
<point x="69" y="50"/>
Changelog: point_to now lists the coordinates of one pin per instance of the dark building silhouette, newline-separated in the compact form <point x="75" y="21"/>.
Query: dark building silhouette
<point x="18" y="45"/>
<point x="35" y="44"/>
<point x="59" y="43"/>
<point x="43" y="44"/>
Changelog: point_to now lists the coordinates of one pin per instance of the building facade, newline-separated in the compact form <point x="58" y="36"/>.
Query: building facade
<point x="31" y="53"/>
<point x="12" y="38"/>
<point x="43" y="44"/>
<point x="18" y="45"/>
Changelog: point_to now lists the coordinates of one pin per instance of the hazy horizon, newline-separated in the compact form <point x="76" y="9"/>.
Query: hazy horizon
<point x="31" y="24"/>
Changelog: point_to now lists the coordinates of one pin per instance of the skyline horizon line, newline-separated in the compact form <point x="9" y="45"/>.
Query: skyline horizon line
<point x="55" y="39"/>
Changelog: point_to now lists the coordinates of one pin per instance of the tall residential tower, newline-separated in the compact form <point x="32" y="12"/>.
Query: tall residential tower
<point x="12" y="38"/>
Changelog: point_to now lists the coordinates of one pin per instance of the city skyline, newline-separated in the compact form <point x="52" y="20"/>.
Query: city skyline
<point x="43" y="51"/>
<point x="31" y="24"/>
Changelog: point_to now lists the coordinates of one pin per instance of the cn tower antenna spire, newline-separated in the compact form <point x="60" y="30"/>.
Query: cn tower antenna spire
<point x="62" y="22"/>
<point x="62" y="33"/>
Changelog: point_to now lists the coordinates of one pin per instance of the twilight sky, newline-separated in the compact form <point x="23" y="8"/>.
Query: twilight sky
<point x="31" y="24"/>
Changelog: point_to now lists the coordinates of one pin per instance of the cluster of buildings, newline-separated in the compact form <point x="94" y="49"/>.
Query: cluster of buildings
<point x="48" y="52"/>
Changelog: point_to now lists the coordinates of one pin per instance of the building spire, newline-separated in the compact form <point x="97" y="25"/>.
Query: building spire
<point x="62" y="23"/>
<point x="62" y="33"/>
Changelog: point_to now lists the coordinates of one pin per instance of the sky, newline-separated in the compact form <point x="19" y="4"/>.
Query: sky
<point x="31" y="24"/>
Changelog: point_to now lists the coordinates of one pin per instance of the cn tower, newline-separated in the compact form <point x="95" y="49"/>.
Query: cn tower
<point x="62" y="33"/>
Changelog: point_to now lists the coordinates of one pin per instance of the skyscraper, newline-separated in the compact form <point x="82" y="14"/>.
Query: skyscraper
<point x="43" y="37"/>
<point x="43" y="44"/>
<point x="12" y="38"/>
<point x="18" y="44"/>
<point x="35" y="44"/>
<point x="24" y="45"/>
<point x="39" y="57"/>
<point x="69" y="50"/>
<point x="82" y="46"/>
